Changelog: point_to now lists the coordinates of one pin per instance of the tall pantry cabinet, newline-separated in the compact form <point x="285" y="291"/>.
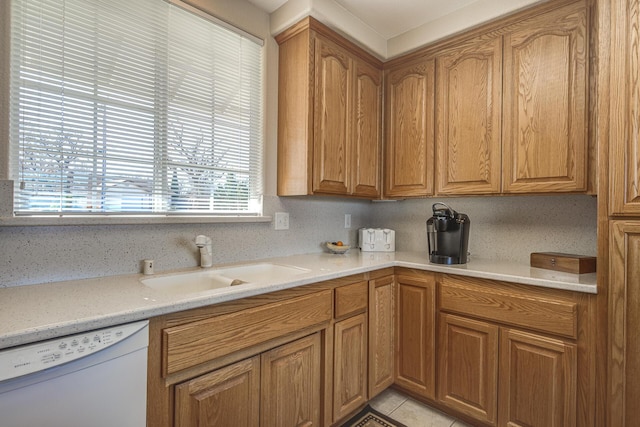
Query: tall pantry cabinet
<point x="624" y="216"/>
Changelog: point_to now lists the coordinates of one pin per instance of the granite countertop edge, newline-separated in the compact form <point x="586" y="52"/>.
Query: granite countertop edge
<point x="34" y="313"/>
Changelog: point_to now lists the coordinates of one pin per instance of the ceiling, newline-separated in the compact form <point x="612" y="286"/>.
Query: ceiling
<point x="388" y="18"/>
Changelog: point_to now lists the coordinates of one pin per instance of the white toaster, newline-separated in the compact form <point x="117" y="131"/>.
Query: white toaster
<point x="377" y="240"/>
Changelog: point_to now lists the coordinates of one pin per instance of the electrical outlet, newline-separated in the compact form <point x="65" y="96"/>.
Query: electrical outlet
<point x="347" y="220"/>
<point x="282" y="221"/>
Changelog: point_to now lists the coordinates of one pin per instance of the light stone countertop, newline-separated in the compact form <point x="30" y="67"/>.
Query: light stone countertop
<point x="39" y="312"/>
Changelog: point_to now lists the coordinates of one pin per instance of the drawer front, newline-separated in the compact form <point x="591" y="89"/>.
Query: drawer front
<point x="351" y="299"/>
<point x="503" y="304"/>
<point x="188" y="345"/>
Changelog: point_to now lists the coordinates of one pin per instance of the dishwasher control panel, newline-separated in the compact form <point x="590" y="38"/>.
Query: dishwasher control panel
<point x="29" y="358"/>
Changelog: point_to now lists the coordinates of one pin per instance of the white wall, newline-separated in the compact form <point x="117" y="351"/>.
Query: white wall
<point x="508" y="227"/>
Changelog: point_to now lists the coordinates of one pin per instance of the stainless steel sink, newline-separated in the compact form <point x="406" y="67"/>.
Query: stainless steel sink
<point x="219" y="278"/>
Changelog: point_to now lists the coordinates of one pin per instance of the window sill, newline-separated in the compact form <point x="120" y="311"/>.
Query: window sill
<point x="26" y="221"/>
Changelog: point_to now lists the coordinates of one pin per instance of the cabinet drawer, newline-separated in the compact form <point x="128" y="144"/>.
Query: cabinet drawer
<point x="513" y="305"/>
<point x="351" y="299"/>
<point x="188" y="345"/>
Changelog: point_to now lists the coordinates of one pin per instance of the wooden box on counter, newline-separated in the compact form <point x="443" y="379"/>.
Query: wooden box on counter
<point x="569" y="263"/>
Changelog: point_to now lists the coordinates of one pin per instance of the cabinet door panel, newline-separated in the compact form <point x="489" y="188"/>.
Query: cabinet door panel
<point x="468" y="118"/>
<point x="409" y="143"/>
<point x="537" y="381"/>
<point x="291" y="384"/>
<point x="469" y="367"/>
<point x="331" y="118"/>
<point x="545" y="104"/>
<point x="415" y="334"/>
<point x="381" y="336"/>
<point x="624" y="137"/>
<point x="624" y="318"/>
<point x="350" y="365"/>
<point x="228" y="396"/>
<point x="367" y="131"/>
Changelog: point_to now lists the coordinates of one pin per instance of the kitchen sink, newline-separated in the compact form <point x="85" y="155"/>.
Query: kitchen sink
<point x="264" y="271"/>
<point x="205" y="280"/>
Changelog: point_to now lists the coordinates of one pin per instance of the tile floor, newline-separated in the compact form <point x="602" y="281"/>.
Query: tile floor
<point x="411" y="412"/>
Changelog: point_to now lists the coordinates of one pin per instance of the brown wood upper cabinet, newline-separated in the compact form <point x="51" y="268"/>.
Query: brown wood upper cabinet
<point x="511" y="111"/>
<point x="545" y="139"/>
<point x="468" y="118"/>
<point x="329" y="114"/>
<point x="409" y="147"/>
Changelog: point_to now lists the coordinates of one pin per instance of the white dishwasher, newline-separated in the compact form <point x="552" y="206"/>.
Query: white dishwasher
<point x="92" y="379"/>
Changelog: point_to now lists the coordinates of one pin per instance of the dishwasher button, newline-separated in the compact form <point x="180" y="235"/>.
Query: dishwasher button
<point x="49" y="358"/>
<point x="62" y="345"/>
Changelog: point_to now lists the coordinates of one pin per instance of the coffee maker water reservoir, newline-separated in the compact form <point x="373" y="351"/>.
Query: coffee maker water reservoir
<point x="447" y="235"/>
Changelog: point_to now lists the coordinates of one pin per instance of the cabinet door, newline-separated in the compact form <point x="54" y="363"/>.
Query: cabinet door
<point x="624" y="318"/>
<point x="367" y="130"/>
<point x="331" y="128"/>
<point x="545" y="104"/>
<point x="350" y="365"/>
<point x="415" y="334"/>
<point x="291" y="384"/>
<point x="468" y="367"/>
<point x="409" y="141"/>
<point x="624" y="128"/>
<point x="381" y="336"/>
<point x="468" y="118"/>
<point x="228" y="396"/>
<point x="537" y="381"/>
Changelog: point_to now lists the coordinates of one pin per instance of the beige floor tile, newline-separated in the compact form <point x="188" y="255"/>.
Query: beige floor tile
<point x="415" y="414"/>
<point x="388" y="401"/>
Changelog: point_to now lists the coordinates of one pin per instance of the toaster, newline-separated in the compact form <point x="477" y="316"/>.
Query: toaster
<point x="377" y="240"/>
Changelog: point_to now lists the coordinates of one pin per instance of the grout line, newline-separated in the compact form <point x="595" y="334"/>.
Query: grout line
<point x="399" y="405"/>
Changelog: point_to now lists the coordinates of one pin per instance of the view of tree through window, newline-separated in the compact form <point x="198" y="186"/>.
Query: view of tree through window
<point x="133" y="107"/>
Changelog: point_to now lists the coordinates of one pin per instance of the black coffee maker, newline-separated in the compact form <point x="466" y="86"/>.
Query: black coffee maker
<point x="447" y="235"/>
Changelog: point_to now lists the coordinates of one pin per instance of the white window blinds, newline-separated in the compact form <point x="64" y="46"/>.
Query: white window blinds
<point x="133" y="106"/>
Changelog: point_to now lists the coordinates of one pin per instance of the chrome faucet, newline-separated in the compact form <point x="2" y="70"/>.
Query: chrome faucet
<point x="206" y="250"/>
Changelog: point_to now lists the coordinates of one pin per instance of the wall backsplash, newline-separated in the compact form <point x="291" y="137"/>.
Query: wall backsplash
<point x="508" y="228"/>
<point x="501" y="227"/>
<point x="32" y="255"/>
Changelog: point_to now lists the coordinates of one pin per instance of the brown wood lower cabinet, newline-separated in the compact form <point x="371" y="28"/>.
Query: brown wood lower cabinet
<point x="291" y="384"/>
<point x="415" y="333"/>
<point x="504" y="354"/>
<point x="229" y="396"/>
<point x="468" y="367"/>
<point x="280" y="387"/>
<point x="381" y="334"/>
<point x="350" y="365"/>
<point x="537" y="380"/>
<point x="495" y="369"/>
<point x="536" y="374"/>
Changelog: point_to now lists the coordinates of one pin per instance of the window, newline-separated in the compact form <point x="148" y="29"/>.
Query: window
<point x="133" y="107"/>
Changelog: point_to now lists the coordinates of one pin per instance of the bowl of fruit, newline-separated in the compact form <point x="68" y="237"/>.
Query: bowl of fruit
<point x="337" y="247"/>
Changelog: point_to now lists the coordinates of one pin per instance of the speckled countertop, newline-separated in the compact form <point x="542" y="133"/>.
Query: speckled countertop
<point x="39" y="312"/>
